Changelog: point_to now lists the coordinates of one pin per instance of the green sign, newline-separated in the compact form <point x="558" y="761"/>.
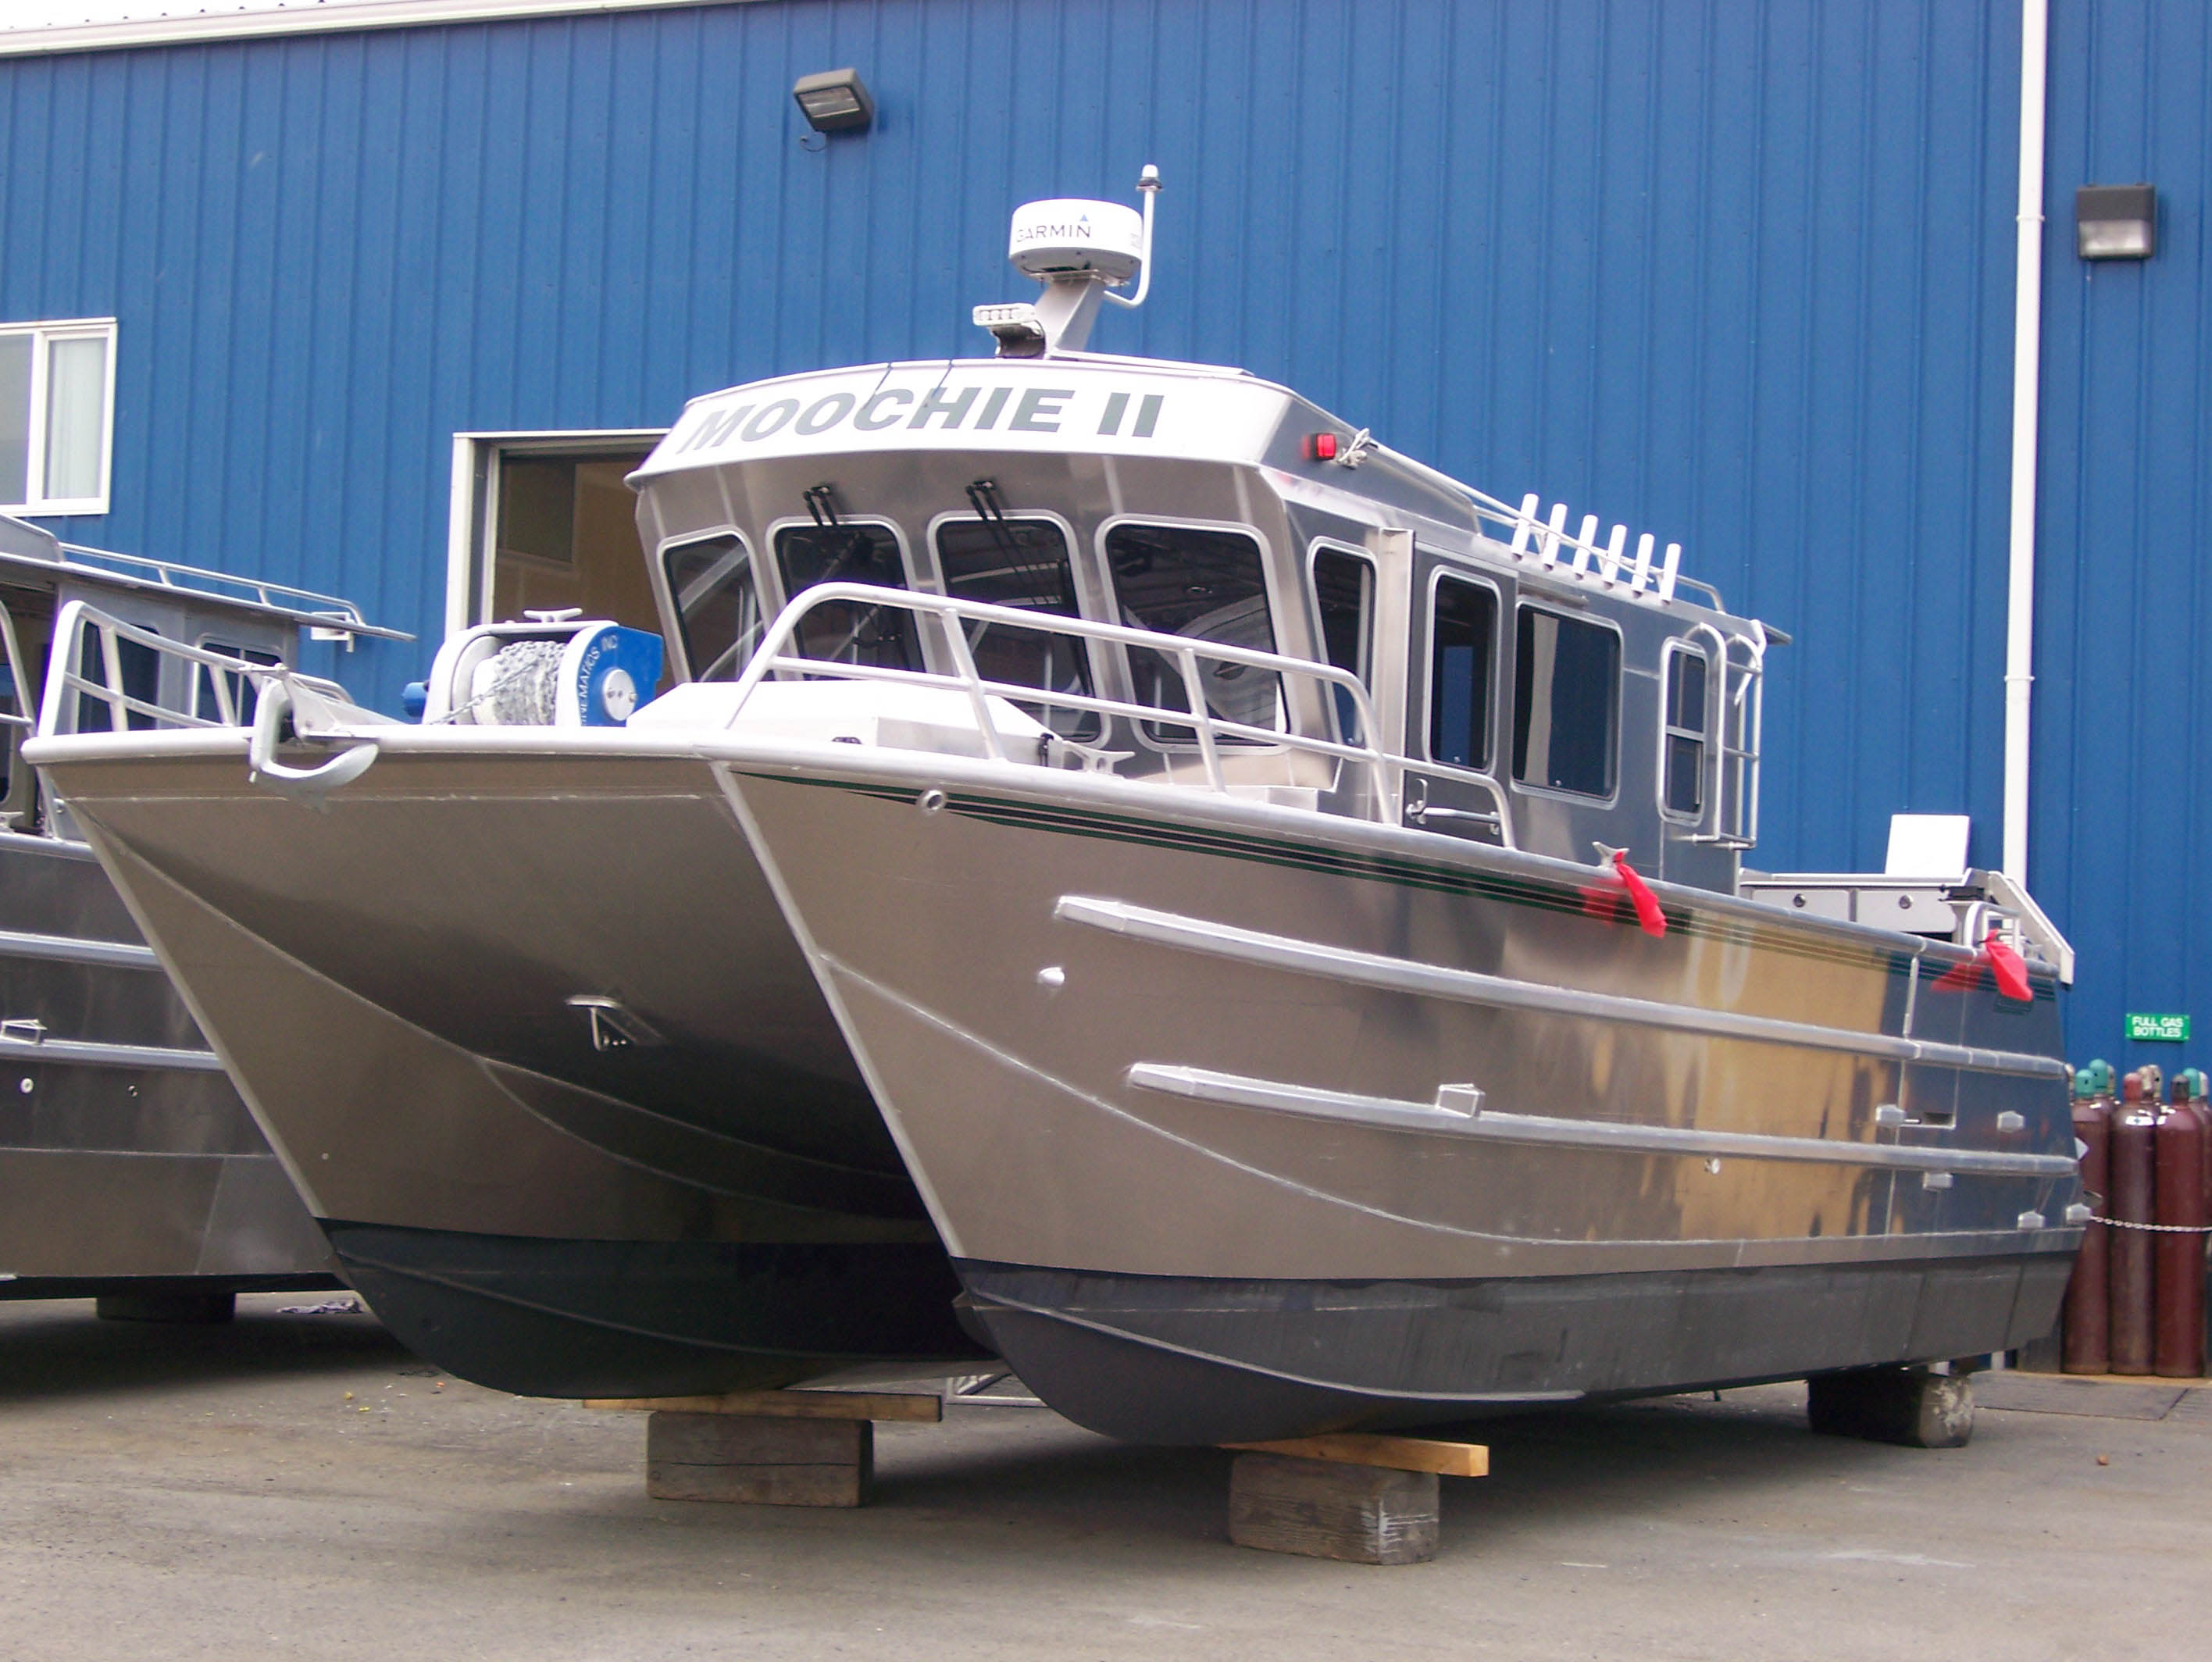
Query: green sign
<point x="2172" y="1030"/>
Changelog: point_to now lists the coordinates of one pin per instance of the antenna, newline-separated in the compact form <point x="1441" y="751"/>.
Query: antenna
<point x="1148" y="181"/>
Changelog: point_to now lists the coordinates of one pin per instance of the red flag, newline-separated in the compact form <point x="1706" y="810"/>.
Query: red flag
<point x="1999" y="960"/>
<point x="2006" y="965"/>
<point x="1640" y="896"/>
<point x="1960" y="978"/>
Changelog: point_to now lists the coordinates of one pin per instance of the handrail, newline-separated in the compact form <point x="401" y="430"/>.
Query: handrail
<point x="326" y="611"/>
<point x="66" y="682"/>
<point x="1384" y="769"/>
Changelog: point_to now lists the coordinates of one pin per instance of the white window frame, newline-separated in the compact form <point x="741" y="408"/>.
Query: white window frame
<point x="43" y="335"/>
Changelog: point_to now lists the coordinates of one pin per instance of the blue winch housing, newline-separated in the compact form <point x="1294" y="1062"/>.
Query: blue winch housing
<point x="551" y="671"/>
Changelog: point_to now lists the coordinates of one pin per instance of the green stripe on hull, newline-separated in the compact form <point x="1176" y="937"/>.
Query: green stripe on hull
<point x="1398" y="870"/>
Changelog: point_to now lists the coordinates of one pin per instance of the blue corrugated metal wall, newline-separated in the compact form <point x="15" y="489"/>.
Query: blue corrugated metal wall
<point x="2123" y="786"/>
<point x="1738" y="273"/>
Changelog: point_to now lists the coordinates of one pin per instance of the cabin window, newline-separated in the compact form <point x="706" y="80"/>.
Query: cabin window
<point x="883" y="637"/>
<point x="57" y="416"/>
<point x="1684" y="761"/>
<point x="1566" y="703"/>
<point x="245" y="694"/>
<point x="141" y="665"/>
<point x="1208" y="585"/>
<point x="1344" y="596"/>
<point x="1023" y="564"/>
<point x="1463" y="643"/>
<point x="718" y="610"/>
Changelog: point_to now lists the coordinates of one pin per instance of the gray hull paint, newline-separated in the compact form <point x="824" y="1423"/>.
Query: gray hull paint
<point x="127" y="1160"/>
<point x="1012" y="1091"/>
<point x="388" y="981"/>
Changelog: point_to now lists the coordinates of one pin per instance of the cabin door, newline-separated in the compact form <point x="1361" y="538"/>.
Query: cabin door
<point x="1453" y="689"/>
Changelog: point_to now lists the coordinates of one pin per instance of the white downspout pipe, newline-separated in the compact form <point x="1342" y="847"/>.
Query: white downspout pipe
<point x="2026" y="378"/>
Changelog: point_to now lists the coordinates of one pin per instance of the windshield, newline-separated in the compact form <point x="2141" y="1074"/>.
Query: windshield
<point x="717" y="605"/>
<point x="1022" y="563"/>
<point x="840" y="632"/>
<point x="1207" y="585"/>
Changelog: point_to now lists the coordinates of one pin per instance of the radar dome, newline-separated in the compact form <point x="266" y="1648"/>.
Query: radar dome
<point x="1068" y="237"/>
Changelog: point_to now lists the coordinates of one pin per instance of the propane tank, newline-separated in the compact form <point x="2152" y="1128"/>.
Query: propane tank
<point x="2177" y="1346"/>
<point x="2085" y="1347"/>
<point x="2131" y="1198"/>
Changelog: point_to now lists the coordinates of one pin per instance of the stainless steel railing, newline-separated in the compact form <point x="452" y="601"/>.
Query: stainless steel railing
<point x="1384" y="772"/>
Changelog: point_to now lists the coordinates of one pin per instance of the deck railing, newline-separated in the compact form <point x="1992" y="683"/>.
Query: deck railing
<point x="1211" y="733"/>
<point x="325" y="612"/>
<point x="213" y="678"/>
<point x="89" y="672"/>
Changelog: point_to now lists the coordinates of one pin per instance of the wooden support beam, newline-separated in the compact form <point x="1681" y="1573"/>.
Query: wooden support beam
<point x="762" y="1462"/>
<point x="1394" y="1453"/>
<point x="1361" y="1514"/>
<point x="913" y="1406"/>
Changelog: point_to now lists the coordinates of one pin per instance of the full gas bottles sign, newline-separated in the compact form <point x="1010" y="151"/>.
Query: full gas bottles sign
<point x="2158" y="1030"/>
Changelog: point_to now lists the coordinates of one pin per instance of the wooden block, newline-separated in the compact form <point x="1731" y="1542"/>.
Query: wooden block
<point x="762" y="1462"/>
<point x="925" y="1408"/>
<point x="1362" y="1515"/>
<point x="1906" y="1405"/>
<point x="1399" y="1454"/>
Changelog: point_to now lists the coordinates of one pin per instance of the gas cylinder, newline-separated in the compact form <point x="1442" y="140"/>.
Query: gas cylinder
<point x="2177" y="1342"/>
<point x="2130" y="1197"/>
<point x="2200" y="1093"/>
<point x="2086" y="1344"/>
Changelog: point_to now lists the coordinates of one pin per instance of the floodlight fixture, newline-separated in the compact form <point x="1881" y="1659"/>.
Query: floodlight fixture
<point x="2115" y="221"/>
<point x="835" y="101"/>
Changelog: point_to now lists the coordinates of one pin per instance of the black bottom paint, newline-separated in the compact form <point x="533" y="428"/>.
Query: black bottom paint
<point x="1174" y="1360"/>
<point x="551" y="1317"/>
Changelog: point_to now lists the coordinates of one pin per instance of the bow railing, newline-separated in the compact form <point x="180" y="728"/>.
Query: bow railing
<point x="1212" y="735"/>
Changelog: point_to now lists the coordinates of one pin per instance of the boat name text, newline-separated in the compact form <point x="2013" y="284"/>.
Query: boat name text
<point x="976" y="408"/>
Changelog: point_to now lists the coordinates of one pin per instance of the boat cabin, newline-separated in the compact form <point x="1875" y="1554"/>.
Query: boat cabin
<point x="1542" y="689"/>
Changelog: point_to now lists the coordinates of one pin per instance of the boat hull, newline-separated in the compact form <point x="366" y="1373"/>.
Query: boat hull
<point x="127" y="1162"/>
<point x="1242" y="1123"/>
<point x="1190" y="1360"/>
<point x="717" y="1207"/>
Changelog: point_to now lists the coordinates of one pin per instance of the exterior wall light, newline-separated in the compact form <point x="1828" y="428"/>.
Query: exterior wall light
<point x="835" y="101"/>
<point x="2115" y="221"/>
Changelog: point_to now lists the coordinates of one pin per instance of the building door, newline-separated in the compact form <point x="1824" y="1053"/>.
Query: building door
<point x="542" y="521"/>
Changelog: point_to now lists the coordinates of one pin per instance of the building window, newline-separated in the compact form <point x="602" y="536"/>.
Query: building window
<point x="57" y="416"/>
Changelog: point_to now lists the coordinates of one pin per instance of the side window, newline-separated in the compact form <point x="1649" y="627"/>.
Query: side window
<point x="1567" y="701"/>
<point x="207" y="703"/>
<point x="1462" y="645"/>
<point x="1344" y="596"/>
<point x="718" y="610"/>
<point x="1208" y="585"/>
<point x="1022" y="563"/>
<point x="1683" y="766"/>
<point x="844" y="633"/>
<point x="142" y="682"/>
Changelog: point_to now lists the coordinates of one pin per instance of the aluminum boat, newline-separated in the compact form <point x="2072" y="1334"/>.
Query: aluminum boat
<point x="130" y="1169"/>
<point x="1267" y="918"/>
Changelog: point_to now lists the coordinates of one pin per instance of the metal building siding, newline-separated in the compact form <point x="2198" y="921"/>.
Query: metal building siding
<point x="2122" y="711"/>
<point x="1736" y="271"/>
